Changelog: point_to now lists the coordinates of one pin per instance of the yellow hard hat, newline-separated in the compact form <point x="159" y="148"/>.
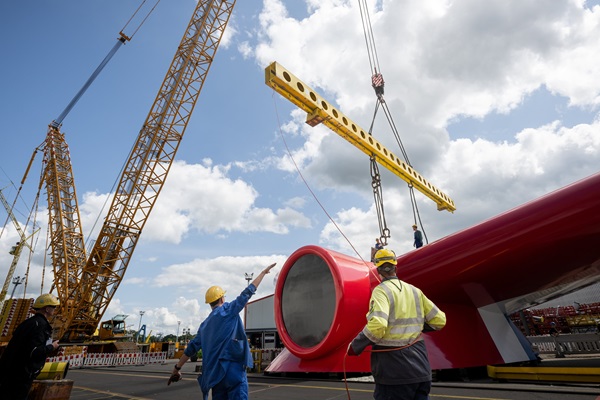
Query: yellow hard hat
<point x="384" y="256"/>
<point x="213" y="294"/>
<point x="45" y="300"/>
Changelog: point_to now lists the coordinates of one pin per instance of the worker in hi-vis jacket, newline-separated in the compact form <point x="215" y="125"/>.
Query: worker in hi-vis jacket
<point x="398" y="313"/>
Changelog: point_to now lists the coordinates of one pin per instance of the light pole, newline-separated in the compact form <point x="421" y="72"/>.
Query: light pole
<point x="16" y="281"/>
<point x="139" y="327"/>
<point x="177" y="337"/>
<point x="248" y="279"/>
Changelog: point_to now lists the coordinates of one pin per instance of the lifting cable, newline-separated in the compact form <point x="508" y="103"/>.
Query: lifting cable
<point x="376" y="277"/>
<point x="32" y="214"/>
<point x="378" y="195"/>
<point x="35" y="210"/>
<point x="115" y="183"/>
<point x="58" y="121"/>
<point x="33" y="239"/>
<point x="377" y="78"/>
<point x="378" y="84"/>
<point x="141" y="23"/>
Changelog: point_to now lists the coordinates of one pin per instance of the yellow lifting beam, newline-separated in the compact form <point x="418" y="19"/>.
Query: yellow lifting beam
<point x="320" y="111"/>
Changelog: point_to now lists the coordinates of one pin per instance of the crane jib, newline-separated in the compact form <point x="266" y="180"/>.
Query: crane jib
<point x="85" y="285"/>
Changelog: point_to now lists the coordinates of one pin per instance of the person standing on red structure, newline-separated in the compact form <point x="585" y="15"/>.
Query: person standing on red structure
<point x="418" y="237"/>
<point x="398" y="313"/>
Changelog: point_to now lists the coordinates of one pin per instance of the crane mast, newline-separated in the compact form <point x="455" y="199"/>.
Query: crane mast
<point x="66" y="241"/>
<point x="85" y="289"/>
<point x="15" y="251"/>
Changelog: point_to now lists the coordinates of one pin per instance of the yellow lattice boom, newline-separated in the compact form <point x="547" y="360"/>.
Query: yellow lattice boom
<point x="86" y="283"/>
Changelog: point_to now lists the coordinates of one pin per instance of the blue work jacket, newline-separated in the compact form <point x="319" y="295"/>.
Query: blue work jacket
<point x="223" y="340"/>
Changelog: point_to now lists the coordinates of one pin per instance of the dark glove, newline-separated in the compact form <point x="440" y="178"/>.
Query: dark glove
<point x="174" y="378"/>
<point x="351" y="351"/>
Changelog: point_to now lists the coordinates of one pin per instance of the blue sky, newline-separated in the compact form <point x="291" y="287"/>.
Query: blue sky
<point x="495" y="104"/>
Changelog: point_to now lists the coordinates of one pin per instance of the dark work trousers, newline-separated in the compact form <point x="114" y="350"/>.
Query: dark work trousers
<point x="411" y="391"/>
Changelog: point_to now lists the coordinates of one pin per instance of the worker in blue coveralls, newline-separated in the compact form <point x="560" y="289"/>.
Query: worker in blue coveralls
<point x="225" y="348"/>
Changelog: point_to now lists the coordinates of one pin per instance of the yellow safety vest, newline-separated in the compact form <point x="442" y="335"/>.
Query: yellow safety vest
<point x="398" y="312"/>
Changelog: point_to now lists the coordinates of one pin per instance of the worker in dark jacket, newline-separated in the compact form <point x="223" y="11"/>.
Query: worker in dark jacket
<point x="27" y="350"/>
<point x="418" y="237"/>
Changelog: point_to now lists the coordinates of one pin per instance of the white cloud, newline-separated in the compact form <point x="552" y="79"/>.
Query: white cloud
<point x="202" y="197"/>
<point x="115" y="308"/>
<point x="459" y="58"/>
<point x="224" y="271"/>
<point x="230" y="33"/>
<point x="245" y="49"/>
<point x="441" y="61"/>
<point x="135" y="281"/>
<point x="191" y="280"/>
<point x="296" y="202"/>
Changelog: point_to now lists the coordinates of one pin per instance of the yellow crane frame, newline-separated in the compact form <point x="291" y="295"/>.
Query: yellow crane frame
<point x="86" y="284"/>
<point x="17" y="248"/>
<point x="320" y="111"/>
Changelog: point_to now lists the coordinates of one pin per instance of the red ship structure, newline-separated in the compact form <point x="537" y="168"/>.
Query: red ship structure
<point x="478" y="277"/>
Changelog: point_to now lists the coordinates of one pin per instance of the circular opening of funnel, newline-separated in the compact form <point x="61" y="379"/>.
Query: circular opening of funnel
<point x="308" y="300"/>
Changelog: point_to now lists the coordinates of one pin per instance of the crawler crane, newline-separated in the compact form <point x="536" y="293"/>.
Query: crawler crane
<point x="15" y="250"/>
<point x="85" y="284"/>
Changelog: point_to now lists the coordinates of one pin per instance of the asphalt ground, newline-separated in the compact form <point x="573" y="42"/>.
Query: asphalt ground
<point x="150" y="382"/>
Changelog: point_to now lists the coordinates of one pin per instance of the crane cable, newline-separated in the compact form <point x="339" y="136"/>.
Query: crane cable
<point x="370" y="42"/>
<point x="123" y="36"/>
<point x="378" y="84"/>
<point x="378" y="195"/>
<point x="58" y="121"/>
<point x="121" y="40"/>
<point x="376" y="277"/>
<point x="33" y="211"/>
<point x="141" y="23"/>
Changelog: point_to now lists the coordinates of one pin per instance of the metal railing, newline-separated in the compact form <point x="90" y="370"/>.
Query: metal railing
<point x="582" y="343"/>
<point x="263" y="357"/>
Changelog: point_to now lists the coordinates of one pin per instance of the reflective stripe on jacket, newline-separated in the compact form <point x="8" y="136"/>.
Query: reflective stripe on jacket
<point x="398" y="312"/>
